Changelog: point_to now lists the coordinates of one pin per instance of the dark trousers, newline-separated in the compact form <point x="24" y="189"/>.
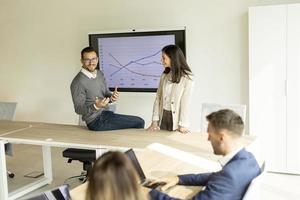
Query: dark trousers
<point x="112" y="121"/>
<point x="167" y="121"/>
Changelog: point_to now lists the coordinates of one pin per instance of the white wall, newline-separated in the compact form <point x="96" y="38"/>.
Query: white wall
<point x="40" y="44"/>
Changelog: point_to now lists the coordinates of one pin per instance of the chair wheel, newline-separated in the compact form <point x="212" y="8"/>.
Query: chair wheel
<point x="11" y="175"/>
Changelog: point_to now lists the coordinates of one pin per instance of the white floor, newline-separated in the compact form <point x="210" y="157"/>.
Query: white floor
<point x="28" y="158"/>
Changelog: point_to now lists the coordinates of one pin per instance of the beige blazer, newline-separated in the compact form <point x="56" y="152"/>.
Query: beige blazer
<point x="180" y="101"/>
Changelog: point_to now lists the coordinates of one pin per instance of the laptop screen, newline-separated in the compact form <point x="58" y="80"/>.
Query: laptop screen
<point x="131" y="155"/>
<point x="60" y="193"/>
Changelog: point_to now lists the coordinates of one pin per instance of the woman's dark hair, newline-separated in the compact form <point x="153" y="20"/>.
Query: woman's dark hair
<point x="179" y="66"/>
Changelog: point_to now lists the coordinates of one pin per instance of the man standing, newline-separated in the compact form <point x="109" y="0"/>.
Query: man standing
<point x="239" y="167"/>
<point x="91" y="98"/>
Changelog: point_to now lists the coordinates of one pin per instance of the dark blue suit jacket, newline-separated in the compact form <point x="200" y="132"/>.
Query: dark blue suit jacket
<point x="230" y="183"/>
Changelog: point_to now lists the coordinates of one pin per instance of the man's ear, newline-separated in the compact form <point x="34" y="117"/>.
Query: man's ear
<point x="223" y="133"/>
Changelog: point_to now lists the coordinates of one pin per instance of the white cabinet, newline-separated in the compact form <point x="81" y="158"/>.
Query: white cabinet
<point x="274" y="81"/>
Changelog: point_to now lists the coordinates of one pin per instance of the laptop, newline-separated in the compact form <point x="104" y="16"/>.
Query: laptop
<point x="143" y="180"/>
<point x="59" y="193"/>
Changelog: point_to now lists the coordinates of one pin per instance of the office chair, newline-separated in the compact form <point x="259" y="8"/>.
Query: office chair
<point x="87" y="157"/>
<point x="208" y="108"/>
<point x="8" y="112"/>
<point x="254" y="189"/>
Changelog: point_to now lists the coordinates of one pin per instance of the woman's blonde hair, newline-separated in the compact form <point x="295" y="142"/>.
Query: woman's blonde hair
<point x="114" y="177"/>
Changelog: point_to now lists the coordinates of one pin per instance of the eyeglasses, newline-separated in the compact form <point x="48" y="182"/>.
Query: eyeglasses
<point x="93" y="60"/>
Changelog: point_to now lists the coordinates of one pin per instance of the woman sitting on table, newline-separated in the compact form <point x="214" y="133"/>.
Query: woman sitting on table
<point x="114" y="177"/>
<point x="170" y="110"/>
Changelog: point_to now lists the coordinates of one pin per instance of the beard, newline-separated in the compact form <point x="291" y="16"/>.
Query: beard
<point x="217" y="149"/>
<point x="91" y="68"/>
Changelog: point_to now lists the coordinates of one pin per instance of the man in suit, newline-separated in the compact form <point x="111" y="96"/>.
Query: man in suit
<point x="239" y="167"/>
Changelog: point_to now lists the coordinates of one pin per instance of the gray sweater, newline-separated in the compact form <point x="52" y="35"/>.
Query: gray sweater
<point x="84" y="92"/>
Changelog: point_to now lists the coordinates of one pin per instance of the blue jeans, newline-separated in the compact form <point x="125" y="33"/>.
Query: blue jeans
<point x="111" y="121"/>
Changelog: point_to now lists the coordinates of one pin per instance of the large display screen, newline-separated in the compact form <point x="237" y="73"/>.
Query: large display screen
<point x="132" y="60"/>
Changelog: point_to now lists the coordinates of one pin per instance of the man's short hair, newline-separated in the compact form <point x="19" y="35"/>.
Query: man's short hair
<point x="87" y="50"/>
<point x="226" y="119"/>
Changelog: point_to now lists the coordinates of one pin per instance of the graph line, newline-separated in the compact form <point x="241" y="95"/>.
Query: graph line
<point x="132" y="62"/>
<point x="134" y="72"/>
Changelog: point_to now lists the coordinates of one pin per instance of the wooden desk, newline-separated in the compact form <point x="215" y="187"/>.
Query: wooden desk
<point x="7" y="128"/>
<point x="76" y="136"/>
<point x="167" y="166"/>
<point x="56" y="135"/>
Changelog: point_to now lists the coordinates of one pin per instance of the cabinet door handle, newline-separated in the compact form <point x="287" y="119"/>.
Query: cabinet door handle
<point x="285" y="87"/>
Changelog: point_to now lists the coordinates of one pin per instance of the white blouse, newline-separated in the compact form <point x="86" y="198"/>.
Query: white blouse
<point x="167" y="95"/>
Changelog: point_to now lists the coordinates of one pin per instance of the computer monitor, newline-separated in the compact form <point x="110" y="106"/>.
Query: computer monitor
<point x="132" y="60"/>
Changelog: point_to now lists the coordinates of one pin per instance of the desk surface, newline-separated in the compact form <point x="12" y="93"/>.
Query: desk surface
<point x="56" y="135"/>
<point x="7" y="128"/>
<point x="80" y="137"/>
<point x="156" y="165"/>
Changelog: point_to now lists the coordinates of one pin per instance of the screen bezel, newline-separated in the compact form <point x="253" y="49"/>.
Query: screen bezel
<point x="136" y="164"/>
<point x="179" y="41"/>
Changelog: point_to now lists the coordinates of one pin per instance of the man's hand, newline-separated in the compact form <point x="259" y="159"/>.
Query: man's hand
<point x="101" y="103"/>
<point x="154" y="126"/>
<point x="145" y="190"/>
<point x="183" y="130"/>
<point x="115" y="95"/>
<point x="169" y="182"/>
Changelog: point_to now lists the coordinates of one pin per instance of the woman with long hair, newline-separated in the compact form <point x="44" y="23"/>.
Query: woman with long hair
<point x="114" y="177"/>
<point x="171" y="106"/>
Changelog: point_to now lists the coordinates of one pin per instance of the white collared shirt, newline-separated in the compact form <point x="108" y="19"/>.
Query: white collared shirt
<point x="89" y="74"/>
<point x="225" y="159"/>
<point x="167" y="94"/>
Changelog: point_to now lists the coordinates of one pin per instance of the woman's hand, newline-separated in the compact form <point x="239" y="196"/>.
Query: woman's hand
<point x="183" y="130"/>
<point x="154" y="126"/>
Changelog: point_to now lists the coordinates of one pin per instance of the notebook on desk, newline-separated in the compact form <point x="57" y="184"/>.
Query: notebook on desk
<point x="144" y="181"/>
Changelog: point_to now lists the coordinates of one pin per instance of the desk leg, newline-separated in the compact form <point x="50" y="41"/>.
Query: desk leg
<point x="47" y="162"/>
<point x="3" y="176"/>
<point x="47" y="179"/>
